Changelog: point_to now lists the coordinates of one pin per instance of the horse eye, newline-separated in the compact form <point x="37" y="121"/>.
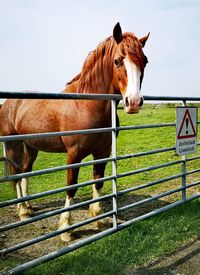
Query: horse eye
<point x="118" y="62"/>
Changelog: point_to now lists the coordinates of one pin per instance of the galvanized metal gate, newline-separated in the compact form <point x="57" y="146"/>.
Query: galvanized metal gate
<point x="113" y="196"/>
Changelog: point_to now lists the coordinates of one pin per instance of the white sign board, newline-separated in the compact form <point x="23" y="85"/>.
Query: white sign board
<point x="186" y="130"/>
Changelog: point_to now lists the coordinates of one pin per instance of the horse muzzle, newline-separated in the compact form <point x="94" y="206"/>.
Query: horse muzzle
<point x="132" y="106"/>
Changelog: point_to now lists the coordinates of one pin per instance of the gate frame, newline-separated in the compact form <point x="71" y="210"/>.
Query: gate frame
<point x="114" y="158"/>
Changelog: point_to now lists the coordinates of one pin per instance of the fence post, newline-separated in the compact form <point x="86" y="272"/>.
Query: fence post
<point x="5" y="159"/>
<point x="114" y="162"/>
<point x="184" y="168"/>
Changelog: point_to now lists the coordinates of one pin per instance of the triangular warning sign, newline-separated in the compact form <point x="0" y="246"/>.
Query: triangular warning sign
<point x="187" y="129"/>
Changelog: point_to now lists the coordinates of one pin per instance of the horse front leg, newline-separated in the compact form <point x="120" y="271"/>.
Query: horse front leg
<point x="72" y="178"/>
<point x="65" y="221"/>
<point x="95" y="208"/>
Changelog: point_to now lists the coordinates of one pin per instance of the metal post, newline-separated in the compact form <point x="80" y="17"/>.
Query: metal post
<point x="184" y="169"/>
<point x="114" y="162"/>
<point x="5" y="159"/>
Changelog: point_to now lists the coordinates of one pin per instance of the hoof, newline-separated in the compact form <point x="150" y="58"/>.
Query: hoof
<point x="24" y="212"/>
<point x="102" y="224"/>
<point x="67" y="237"/>
<point x="94" y="211"/>
<point x="29" y="206"/>
<point x="24" y="217"/>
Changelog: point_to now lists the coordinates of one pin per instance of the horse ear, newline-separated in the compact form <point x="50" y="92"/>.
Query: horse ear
<point x="117" y="33"/>
<point x="144" y="39"/>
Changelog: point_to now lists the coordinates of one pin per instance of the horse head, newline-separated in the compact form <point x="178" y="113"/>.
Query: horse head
<point x="128" y="70"/>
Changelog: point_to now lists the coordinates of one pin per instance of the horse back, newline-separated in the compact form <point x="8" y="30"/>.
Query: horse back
<point x="40" y="116"/>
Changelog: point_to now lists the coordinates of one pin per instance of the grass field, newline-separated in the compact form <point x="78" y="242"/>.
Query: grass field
<point x="137" y="245"/>
<point x="143" y="241"/>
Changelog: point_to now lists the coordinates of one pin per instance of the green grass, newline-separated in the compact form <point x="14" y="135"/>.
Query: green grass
<point x="143" y="241"/>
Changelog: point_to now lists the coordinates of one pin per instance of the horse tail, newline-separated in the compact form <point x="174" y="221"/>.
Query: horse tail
<point x="14" y="149"/>
<point x="14" y="158"/>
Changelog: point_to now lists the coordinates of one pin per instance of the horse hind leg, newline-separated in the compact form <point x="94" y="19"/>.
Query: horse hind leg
<point x="23" y="161"/>
<point x="25" y="209"/>
<point x="15" y="152"/>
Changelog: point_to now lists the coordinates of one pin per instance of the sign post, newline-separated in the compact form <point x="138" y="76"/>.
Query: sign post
<point x="186" y="130"/>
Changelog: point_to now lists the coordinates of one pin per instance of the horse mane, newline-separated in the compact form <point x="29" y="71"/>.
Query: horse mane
<point x="74" y="79"/>
<point x="133" y="47"/>
<point x="97" y="69"/>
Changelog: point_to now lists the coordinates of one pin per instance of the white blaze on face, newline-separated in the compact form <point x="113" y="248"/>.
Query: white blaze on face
<point x="132" y="93"/>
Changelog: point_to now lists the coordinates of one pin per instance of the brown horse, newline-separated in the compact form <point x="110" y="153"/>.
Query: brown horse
<point x="115" y="66"/>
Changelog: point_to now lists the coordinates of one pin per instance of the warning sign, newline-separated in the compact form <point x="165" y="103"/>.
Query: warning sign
<point x="186" y="130"/>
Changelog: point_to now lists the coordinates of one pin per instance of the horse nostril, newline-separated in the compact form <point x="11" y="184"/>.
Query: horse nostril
<point x="141" y="101"/>
<point x="126" y="102"/>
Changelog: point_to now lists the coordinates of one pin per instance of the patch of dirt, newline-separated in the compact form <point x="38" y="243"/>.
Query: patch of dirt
<point x="184" y="261"/>
<point x="27" y="232"/>
<point x="33" y="230"/>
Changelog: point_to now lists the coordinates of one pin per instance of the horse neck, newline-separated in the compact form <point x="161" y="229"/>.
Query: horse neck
<point x="98" y="80"/>
<point x="97" y="72"/>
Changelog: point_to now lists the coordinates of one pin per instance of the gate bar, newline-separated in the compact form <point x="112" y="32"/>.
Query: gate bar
<point x="151" y="152"/>
<point x="155" y="197"/>
<point x="56" y="134"/>
<point x="145" y="126"/>
<point x="57" y="95"/>
<point x="61" y="95"/>
<point x="150" y="168"/>
<point x="138" y="187"/>
<point x="54" y="169"/>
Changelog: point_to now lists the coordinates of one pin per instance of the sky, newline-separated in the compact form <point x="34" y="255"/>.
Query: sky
<point x="43" y="43"/>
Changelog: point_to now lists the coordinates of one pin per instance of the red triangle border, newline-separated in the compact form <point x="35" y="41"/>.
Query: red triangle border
<point x="190" y="119"/>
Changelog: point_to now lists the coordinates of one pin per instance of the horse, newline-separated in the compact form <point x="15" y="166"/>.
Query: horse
<point x="116" y="66"/>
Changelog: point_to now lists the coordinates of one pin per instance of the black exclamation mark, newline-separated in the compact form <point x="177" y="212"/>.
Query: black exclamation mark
<point x="187" y="121"/>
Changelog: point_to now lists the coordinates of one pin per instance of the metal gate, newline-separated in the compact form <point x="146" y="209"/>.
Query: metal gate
<point x="115" y="176"/>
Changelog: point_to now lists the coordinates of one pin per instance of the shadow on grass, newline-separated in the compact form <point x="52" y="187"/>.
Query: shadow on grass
<point x="185" y="260"/>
